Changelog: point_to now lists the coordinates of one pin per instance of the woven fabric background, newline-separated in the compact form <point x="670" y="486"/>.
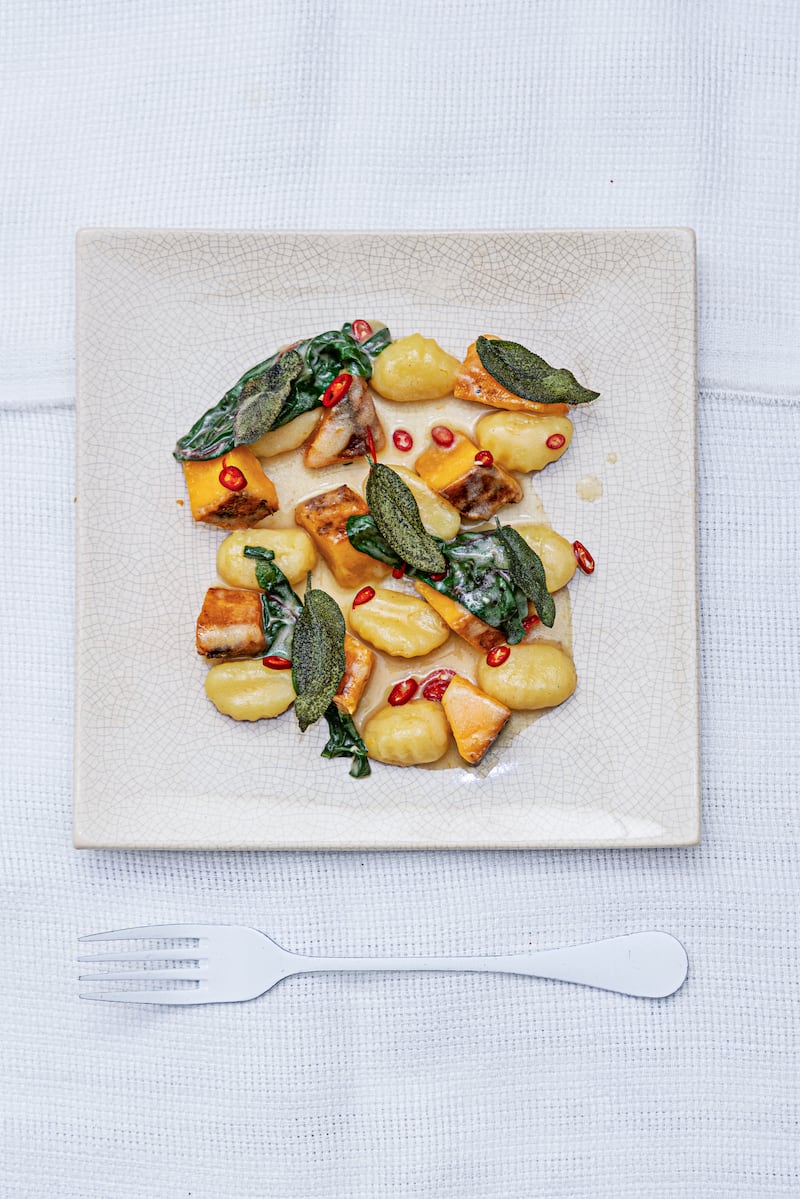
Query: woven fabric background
<point x="343" y="115"/>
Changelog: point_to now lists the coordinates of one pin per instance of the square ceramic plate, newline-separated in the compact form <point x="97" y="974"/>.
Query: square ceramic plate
<point x="168" y="321"/>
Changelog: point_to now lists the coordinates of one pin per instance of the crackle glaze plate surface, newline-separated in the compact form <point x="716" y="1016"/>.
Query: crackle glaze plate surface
<point x="168" y="320"/>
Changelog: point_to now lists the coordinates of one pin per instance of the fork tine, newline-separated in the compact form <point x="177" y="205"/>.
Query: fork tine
<point x="145" y="955"/>
<point x="151" y="932"/>
<point x="183" y="997"/>
<point x="141" y="976"/>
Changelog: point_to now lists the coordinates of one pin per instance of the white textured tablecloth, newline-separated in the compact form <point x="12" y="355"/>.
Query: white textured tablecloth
<point x="326" y="115"/>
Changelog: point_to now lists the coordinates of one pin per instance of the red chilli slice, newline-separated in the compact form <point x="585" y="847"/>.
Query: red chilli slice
<point x="583" y="557"/>
<point x="336" y="390"/>
<point x="373" y="453"/>
<point x="484" y="458"/>
<point x="555" y="441"/>
<point x="403" y="440"/>
<point x="232" y="478"/>
<point x="273" y="662"/>
<point x="362" y="330"/>
<point x="363" y="596"/>
<point x="435" y="685"/>
<point x="498" y="655"/>
<point x="442" y="435"/>
<point x="398" y="571"/>
<point x="401" y="693"/>
<point x="530" y="621"/>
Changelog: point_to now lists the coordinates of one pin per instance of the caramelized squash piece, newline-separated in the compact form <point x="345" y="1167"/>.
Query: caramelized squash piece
<point x="476" y="491"/>
<point x="251" y="499"/>
<point x="359" y="660"/>
<point x="230" y="624"/>
<point x="473" y="382"/>
<point x="324" y="517"/>
<point x="475" y="718"/>
<point x="343" y="433"/>
<point x="471" y="628"/>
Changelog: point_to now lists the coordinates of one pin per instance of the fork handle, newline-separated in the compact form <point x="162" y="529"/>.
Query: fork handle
<point x="650" y="965"/>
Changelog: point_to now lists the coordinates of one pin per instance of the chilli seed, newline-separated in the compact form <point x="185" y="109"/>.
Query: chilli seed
<point x="442" y="435"/>
<point x="401" y="693"/>
<point x="402" y="439"/>
<point x="583" y="557"/>
<point x="555" y="441"/>
<point x="363" y="596"/>
<point x="498" y="655"/>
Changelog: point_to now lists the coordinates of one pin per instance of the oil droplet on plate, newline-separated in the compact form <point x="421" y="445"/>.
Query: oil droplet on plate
<point x="589" y="488"/>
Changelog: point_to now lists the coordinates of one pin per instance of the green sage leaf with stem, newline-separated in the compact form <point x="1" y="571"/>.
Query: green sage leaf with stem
<point x="318" y="659"/>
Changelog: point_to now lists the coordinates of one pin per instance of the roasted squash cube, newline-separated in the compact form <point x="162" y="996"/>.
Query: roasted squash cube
<point x="245" y="498"/>
<point x="325" y="517"/>
<point x="474" y="717"/>
<point x="230" y="624"/>
<point x="477" y="491"/>
<point x="359" y="660"/>
<point x="473" y="382"/>
<point x="471" y="628"/>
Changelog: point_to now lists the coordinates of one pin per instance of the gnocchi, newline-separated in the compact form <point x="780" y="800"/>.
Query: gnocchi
<point x="294" y="552"/>
<point x="248" y="690"/>
<point x="400" y="625"/>
<point x="556" y="553"/>
<point x="413" y="735"/>
<point x="288" y="437"/>
<point x="439" y="518"/>
<point x="540" y="675"/>
<point x="520" y="441"/>
<point x="414" y="368"/>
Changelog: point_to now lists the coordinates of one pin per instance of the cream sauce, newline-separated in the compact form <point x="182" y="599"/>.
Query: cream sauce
<point x="589" y="488"/>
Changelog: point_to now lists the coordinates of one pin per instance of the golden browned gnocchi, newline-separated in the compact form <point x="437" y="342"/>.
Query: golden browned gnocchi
<point x="521" y="441"/>
<point x="556" y="553"/>
<point x="294" y="552"/>
<point x="540" y="675"/>
<point x="400" y="625"/>
<point x="247" y="690"/>
<point x="287" y="437"/>
<point x="439" y="518"/>
<point x="414" y="368"/>
<point x="413" y="735"/>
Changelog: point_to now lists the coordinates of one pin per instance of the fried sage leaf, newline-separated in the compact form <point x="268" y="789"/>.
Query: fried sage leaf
<point x="318" y="658"/>
<point x="527" y="573"/>
<point x="525" y="374"/>
<point x="397" y="517"/>
<point x="263" y="397"/>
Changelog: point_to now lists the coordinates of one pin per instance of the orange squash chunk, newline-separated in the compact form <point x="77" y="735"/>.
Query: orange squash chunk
<point x="359" y="660"/>
<point x="473" y="382"/>
<point x="476" y="491"/>
<point x="324" y="517"/>
<point x="471" y="628"/>
<point x="230" y="624"/>
<point x="239" y="507"/>
<point x="474" y="717"/>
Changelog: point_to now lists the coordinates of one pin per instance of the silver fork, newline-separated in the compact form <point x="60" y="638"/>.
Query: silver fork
<point x="230" y="963"/>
